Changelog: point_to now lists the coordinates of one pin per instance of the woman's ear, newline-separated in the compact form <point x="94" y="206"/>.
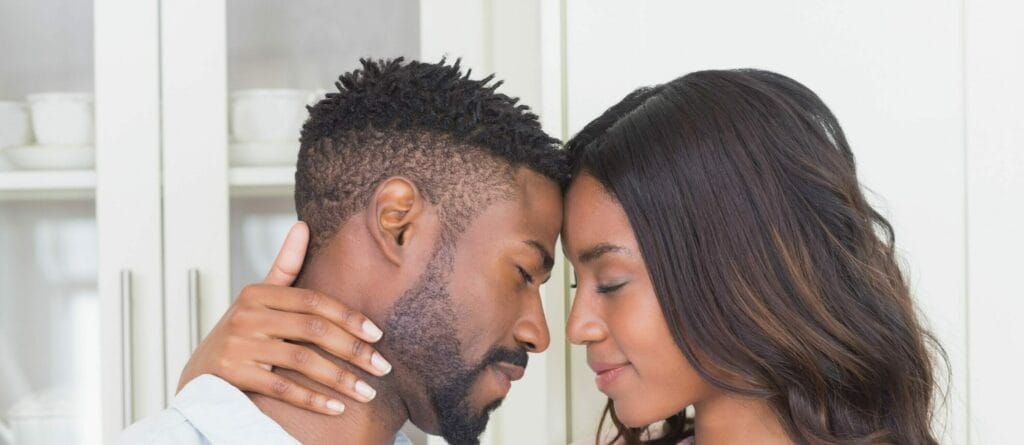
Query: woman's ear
<point x="396" y="206"/>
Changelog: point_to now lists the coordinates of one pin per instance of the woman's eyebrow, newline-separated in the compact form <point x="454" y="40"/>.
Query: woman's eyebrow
<point x="594" y="252"/>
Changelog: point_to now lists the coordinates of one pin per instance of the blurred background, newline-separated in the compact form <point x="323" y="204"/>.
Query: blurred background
<point x="147" y="155"/>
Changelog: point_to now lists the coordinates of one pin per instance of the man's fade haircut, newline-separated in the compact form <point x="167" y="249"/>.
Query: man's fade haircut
<point x="456" y="138"/>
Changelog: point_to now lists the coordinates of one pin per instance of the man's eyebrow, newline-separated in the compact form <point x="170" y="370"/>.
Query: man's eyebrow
<point x="596" y="251"/>
<point x="548" y="260"/>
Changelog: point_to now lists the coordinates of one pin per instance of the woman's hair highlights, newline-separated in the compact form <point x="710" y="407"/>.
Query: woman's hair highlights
<point x="777" y="279"/>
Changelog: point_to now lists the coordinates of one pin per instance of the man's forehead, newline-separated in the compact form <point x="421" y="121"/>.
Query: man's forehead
<point x="540" y="203"/>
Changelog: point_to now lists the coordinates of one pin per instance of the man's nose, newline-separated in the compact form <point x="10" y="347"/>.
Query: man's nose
<point x="531" y="330"/>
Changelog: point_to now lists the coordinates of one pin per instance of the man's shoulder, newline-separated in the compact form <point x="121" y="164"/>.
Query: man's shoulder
<point x="208" y="410"/>
<point x="167" y="427"/>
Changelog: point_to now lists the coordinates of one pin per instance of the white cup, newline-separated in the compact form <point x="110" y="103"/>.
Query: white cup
<point x="62" y="118"/>
<point x="268" y="115"/>
<point x="15" y="128"/>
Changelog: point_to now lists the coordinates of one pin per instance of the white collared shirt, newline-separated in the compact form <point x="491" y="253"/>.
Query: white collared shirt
<point x="210" y="410"/>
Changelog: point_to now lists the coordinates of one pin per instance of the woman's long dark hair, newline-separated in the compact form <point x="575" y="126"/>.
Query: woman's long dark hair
<point x="777" y="279"/>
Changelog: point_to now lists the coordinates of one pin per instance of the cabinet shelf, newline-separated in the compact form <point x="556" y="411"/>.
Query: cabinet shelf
<point x="261" y="181"/>
<point x="81" y="184"/>
<point x="47" y="184"/>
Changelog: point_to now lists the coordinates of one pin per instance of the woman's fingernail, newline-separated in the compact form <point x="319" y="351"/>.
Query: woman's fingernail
<point x="336" y="406"/>
<point x="378" y="362"/>
<point x="364" y="390"/>
<point x="372" y="330"/>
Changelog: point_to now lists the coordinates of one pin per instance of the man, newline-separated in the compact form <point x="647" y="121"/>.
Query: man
<point x="433" y="204"/>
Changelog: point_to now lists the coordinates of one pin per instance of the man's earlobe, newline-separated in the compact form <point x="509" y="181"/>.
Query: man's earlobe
<point x="396" y="205"/>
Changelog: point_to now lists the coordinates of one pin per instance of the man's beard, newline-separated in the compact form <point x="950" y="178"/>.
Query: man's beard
<point x="422" y="335"/>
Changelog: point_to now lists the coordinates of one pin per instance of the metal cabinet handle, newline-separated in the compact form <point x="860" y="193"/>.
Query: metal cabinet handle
<point x="126" y="347"/>
<point x="193" y="307"/>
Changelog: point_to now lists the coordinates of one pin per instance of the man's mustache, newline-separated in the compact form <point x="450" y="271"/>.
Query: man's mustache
<point x="499" y="354"/>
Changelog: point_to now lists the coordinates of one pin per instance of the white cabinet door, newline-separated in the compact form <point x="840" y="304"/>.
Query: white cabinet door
<point x="195" y="194"/>
<point x="80" y="232"/>
<point x="227" y="195"/>
<point x="230" y="70"/>
<point x="128" y="210"/>
<point x="50" y="307"/>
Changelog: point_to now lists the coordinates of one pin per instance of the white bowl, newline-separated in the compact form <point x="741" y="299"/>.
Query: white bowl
<point x="15" y="128"/>
<point x="268" y="115"/>
<point x="263" y="154"/>
<point x="51" y="157"/>
<point x="62" y="118"/>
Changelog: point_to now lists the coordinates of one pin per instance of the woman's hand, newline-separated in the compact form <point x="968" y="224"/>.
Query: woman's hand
<point x="249" y="339"/>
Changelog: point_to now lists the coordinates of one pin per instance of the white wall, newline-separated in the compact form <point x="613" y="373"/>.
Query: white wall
<point x="891" y="71"/>
<point x="995" y="217"/>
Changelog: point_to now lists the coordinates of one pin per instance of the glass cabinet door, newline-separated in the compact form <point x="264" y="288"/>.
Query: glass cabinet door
<point x="281" y="57"/>
<point x="49" y="301"/>
<point x="79" y="219"/>
<point x="236" y="78"/>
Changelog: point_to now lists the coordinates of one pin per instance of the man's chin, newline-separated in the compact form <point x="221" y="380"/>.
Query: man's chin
<point x="465" y="427"/>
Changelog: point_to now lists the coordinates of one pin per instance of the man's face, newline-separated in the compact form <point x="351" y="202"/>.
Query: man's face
<point x="462" y="332"/>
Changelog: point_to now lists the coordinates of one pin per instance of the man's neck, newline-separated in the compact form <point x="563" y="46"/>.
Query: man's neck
<point x="375" y="422"/>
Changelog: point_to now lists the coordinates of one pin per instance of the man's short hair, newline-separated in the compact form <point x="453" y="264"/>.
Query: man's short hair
<point x="456" y="138"/>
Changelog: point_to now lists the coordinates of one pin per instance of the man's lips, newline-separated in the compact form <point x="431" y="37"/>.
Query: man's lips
<point x="513" y="372"/>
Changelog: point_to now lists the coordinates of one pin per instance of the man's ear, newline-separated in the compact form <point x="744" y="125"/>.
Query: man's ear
<point x="395" y="208"/>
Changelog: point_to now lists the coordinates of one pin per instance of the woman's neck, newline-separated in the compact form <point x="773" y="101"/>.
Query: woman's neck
<point x="727" y="419"/>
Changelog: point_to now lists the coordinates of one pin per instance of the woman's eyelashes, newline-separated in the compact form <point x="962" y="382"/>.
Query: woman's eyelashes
<point x="610" y="288"/>
<point x="601" y="289"/>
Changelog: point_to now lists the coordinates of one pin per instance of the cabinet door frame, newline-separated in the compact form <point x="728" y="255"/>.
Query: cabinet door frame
<point x="193" y="46"/>
<point x="128" y="210"/>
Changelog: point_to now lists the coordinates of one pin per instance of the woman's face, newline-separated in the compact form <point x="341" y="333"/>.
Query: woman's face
<point x="616" y="315"/>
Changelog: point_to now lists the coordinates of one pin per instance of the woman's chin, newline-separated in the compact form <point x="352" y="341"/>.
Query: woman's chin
<point x="638" y="415"/>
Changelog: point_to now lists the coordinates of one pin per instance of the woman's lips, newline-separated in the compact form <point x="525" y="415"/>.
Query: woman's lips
<point x="607" y="373"/>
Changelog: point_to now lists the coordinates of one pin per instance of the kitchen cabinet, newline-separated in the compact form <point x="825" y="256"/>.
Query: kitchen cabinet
<point x="118" y="257"/>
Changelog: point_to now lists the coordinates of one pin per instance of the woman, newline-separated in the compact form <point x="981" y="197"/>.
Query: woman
<point x="726" y="260"/>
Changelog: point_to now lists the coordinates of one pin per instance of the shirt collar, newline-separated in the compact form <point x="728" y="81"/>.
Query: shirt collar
<point x="224" y="414"/>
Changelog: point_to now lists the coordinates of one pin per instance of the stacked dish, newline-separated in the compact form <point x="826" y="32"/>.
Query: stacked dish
<point x="265" y="125"/>
<point x="53" y="131"/>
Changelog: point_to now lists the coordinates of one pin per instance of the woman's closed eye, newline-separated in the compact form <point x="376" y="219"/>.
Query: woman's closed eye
<point x="610" y="288"/>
